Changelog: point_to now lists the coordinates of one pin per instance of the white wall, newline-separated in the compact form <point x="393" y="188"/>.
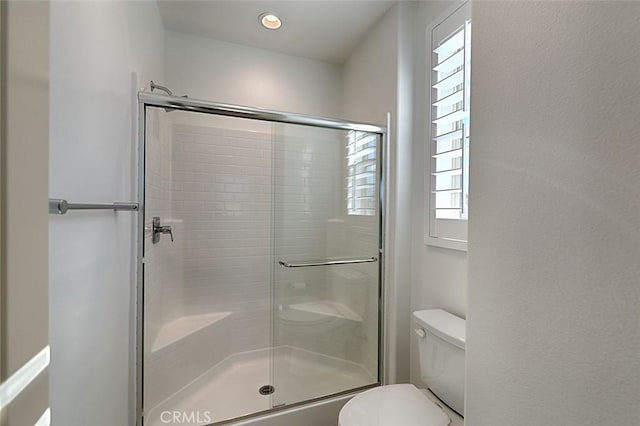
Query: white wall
<point x="553" y="330"/>
<point x="438" y="275"/>
<point x="94" y="49"/>
<point x="231" y="73"/>
<point x="370" y="74"/>
<point x="377" y="80"/>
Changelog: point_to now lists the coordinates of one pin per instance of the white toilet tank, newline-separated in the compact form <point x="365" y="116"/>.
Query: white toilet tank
<point x="441" y="343"/>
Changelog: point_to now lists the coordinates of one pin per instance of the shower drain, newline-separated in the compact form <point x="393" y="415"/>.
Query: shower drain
<point x="266" y="390"/>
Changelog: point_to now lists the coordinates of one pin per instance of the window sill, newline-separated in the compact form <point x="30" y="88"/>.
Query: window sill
<point x="459" y="245"/>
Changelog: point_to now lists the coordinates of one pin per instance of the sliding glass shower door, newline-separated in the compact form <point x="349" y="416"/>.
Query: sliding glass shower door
<point x="326" y="235"/>
<point x="260" y="260"/>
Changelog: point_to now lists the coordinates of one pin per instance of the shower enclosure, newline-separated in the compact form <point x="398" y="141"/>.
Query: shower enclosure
<point x="260" y="260"/>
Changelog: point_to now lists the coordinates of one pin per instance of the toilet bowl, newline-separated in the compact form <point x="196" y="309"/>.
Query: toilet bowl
<point x="392" y="405"/>
<point x="441" y="343"/>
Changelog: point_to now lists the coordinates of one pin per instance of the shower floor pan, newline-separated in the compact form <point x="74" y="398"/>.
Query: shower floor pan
<point x="231" y="388"/>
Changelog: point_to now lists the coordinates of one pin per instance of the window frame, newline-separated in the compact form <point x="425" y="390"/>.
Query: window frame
<point x="452" y="226"/>
<point x="352" y="193"/>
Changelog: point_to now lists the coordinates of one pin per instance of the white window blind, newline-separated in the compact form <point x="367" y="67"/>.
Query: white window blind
<point x="449" y="118"/>
<point x="361" y="173"/>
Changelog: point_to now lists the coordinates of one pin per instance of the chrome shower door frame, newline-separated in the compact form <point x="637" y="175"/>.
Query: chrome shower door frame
<point x="147" y="99"/>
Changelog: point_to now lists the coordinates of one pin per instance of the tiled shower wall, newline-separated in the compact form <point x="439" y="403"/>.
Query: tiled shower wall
<point x="222" y="199"/>
<point x="163" y="268"/>
<point x="221" y="194"/>
<point x="311" y="223"/>
<point x="358" y="286"/>
<point x="307" y="182"/>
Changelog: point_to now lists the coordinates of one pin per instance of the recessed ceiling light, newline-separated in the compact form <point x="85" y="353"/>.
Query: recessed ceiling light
<point x="270" y="21"/>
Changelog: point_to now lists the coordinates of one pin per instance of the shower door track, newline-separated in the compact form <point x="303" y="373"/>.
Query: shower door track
<point x="147" y="99"/>
<point x="207" y="107"/>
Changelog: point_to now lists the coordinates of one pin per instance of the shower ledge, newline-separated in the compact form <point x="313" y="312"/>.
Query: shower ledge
<point x="184" y="327"/>
<point x="328" y="308"/>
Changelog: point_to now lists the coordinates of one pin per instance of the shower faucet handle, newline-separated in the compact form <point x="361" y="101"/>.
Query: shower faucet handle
<point x="158" y="230"/>
<point x="168" y="230"/>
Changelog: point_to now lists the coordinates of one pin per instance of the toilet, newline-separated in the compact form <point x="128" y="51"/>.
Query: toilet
<point x="441" y="346"/>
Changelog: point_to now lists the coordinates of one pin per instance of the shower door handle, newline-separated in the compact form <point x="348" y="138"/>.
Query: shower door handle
<point x="158" y="230"/>
<point x="326" y="262"/>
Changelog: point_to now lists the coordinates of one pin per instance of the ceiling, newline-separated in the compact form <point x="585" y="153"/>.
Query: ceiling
<point x="322" y="30"/>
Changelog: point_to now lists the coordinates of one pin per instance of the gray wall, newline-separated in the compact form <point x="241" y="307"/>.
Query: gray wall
<point x="24" y="136"/>
<point x="553" y="330"/>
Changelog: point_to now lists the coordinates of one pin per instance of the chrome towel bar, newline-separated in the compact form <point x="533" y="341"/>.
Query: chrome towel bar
<point x="60" y="206"/>
<point x="326" y="262"/>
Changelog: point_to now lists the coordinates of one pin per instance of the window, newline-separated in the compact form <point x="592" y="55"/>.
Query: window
<point x="361" y="173"/>
<point x="449" y="129"/>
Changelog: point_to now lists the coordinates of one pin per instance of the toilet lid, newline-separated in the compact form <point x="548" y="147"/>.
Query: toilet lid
<point x="392" y="405"/>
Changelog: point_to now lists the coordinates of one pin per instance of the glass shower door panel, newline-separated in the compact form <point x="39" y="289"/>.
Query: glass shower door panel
<point x="326" y="232"/>
<point x="207" y="286"/>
